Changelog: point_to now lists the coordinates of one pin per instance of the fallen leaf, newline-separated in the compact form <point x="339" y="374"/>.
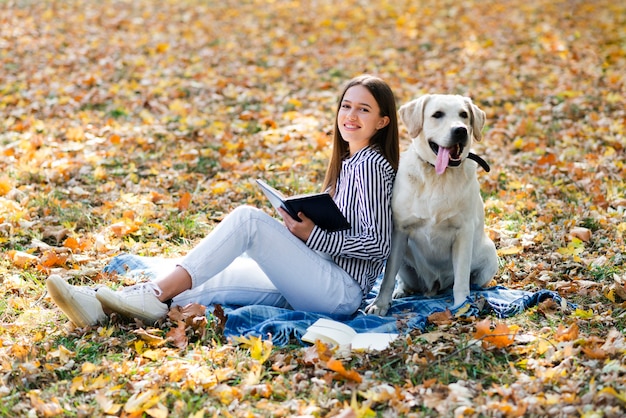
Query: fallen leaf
<point x="178" y="336"/>
<point x="584" y="234"/>
<point x="500" y="337"/>
<point x="338" y="367"/>
<point x="183" y="202"/>
<point x="567" y="334"/>
<point x="441" y="318"/>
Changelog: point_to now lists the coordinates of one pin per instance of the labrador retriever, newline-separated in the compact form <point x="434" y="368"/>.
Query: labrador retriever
<point x="439" y="241"/>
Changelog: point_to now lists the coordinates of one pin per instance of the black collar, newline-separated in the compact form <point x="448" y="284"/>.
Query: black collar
<point x="471" y="156"/>
<point x="480" y="161"/>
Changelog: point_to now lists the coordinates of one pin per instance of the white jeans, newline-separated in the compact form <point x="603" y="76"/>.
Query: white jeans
<point x="251" y="258"/>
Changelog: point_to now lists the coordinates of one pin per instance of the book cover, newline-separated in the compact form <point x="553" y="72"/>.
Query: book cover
<point x="319" y="207"/>
<point x="338" y="333"/>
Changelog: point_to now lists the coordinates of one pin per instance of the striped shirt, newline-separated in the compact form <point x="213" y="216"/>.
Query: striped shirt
<point x="363" y="194"/>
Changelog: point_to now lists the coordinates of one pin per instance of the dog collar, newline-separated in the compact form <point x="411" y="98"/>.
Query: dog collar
<point x="480" y="161"/>
<point x="471" y="156"/>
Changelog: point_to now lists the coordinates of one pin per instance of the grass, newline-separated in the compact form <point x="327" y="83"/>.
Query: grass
<point x="137" y="134"/>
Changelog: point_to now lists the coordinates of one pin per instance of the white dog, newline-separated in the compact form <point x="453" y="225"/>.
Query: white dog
<point x="439" y="239"/>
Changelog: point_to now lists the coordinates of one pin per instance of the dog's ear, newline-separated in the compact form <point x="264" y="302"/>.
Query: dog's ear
<point x="477" y="119"/>
<point x="412" y="115"/>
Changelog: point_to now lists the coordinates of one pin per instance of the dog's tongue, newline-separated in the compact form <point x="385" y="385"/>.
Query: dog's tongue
<point x="443" y="156"/>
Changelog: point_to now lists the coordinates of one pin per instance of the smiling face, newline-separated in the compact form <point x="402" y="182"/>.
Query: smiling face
<point x="359" y="118"/>
<point x="442" y="128"/>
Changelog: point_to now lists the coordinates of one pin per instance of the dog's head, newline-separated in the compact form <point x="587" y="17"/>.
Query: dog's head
<point x="442" y="127"/>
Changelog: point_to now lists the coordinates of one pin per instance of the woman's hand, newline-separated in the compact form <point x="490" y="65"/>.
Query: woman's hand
<point x="302" y="229"/>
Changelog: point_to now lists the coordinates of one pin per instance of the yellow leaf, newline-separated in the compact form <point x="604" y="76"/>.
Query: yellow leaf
<point x="78" y="384"/>
<point x="162" y="47"/>
<point x="294" y="102"/>
<point x="5" y="186"/>
<point x="153" y="354"/>
<point x="178" y="107"/>
<point x="259" y="350"/>
<point x="610" y="295"/>
<point x="88" y="367"/>
<point x="106" y="404"/>
<point x="610" y="391"/>
<point x="140" y="402"/>
<point x="363" y="411"/>
<point x="226" y="394"/>
<point x="583" y="314"/>
<point x="152" y="339"/>
<point x="510" y="250"/>
<point x="574" y="248"/>
<point x="220" y="187"/>
<point x="62" y="353"/>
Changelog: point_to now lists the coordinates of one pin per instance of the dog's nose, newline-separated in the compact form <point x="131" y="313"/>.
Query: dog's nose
<point x="459" y="134"/>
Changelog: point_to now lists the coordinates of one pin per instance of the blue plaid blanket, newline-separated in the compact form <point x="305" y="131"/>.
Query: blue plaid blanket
<point x="286" y="325"/>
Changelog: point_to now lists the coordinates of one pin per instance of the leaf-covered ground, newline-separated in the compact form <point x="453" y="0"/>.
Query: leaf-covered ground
<point x="135" y="125"/>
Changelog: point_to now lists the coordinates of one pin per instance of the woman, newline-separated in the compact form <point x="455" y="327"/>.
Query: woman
<point x="252" y="258"/>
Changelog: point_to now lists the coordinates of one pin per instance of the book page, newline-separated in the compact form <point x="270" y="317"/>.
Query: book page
<point x="338" y="333"/>
<point x="329" y="323"/>
<point x="372" y="341"/>
<point x="328" y="335"/>
<point x="275" y="197"/>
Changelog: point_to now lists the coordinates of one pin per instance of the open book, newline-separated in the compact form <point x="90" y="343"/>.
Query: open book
<point x="319" y="207"/>
<point x="338" y="333"/>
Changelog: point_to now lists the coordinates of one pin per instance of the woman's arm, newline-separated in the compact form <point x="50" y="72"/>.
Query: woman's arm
<point x="370" y="199"/>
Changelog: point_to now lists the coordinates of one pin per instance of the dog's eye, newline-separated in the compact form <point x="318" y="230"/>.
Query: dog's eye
<point x="464" y="115"/>
<point x="438" y="114"/>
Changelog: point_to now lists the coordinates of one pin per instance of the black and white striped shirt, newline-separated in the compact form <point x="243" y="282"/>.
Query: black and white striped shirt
<point x="363" y="194"/>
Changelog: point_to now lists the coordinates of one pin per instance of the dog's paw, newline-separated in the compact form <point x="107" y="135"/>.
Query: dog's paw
<point x="375" y="309"/>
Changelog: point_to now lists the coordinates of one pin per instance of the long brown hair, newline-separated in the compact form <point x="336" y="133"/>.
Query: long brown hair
<point x="386" y="139"/>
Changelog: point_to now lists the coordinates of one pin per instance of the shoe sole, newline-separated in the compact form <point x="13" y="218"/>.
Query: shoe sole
<point x="60" y="293"/>
<point x="110" y="300"/>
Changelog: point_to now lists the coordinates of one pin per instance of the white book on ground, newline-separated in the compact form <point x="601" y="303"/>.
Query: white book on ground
<point x="338" y="333"/>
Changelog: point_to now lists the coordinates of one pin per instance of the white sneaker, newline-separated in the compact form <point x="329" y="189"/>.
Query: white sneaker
<point x="139" y="301"/>
<point x="79" y="303"/>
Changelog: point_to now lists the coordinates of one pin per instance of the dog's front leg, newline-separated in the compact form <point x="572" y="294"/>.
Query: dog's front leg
<point x="462" y="263"/>
<point x="381" y="304"/>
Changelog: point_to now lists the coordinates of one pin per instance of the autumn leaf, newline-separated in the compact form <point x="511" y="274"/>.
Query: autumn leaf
<point x="111" y="132"/>
<point x="500" y="337"/>
<point x="259" y="349"/>
<point x="596" y="353"/>
<point x="152" y="339"/>
<point x="178" y="336"/>
<point x="22" y="259"/>
<point x="46" y="409"/>
<point x="183" y="202"/>
<point x="106" y="404"/>
<point x="567" y="334"/>
<point x="441" y="318"/>
<point x="338" y="367"/>
<point x="142" y="401"/>
<point x="5" y="186"/>
<point x="53" y="259"/>
<point x="621" y="396"/>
